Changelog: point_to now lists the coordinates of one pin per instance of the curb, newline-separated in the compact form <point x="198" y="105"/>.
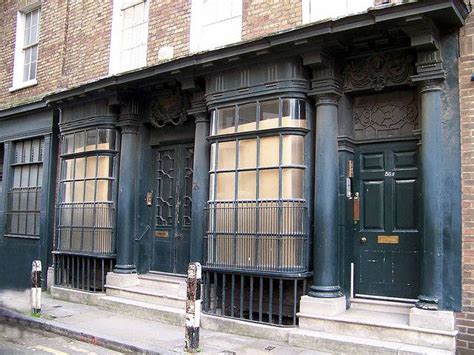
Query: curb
<point x="8" y="316"/>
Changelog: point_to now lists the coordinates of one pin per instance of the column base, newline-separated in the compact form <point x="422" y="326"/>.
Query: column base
<point x="437" y="320"/>
<point x="121" y="280"/>
<point x="325" y="292"/>
<point x="125" y="269"/>
<point x="427" y="303"/>
<point x="322" y="307"/>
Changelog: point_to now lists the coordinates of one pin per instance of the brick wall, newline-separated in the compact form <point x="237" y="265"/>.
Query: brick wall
<point x="465" y="319"/>
<point x="263" y="17"/>
<point x="75" y="38"/>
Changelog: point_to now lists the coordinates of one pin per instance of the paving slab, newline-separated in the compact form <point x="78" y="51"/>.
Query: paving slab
<point x="129" y="334"/>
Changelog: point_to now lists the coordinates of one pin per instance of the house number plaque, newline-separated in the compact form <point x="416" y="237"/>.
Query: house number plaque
<point x="161" y="234"/>
<point x="387" y="239"/>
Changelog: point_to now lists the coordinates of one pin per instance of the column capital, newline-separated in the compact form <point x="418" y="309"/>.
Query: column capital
<point x="128" y="120"/>
<point x="128" y="125"/>
<point x="198" y="107"/>
<point x="326" y="98"/>
<point x="430" y="85"/>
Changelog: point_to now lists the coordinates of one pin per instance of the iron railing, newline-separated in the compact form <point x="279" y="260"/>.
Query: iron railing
<point x="81" y="272"/>
<point x="263" y="299"/>
<point x="269" y="236"/>
<point x="86" y="228"/>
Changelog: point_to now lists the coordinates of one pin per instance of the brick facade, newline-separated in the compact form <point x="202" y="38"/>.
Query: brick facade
<point x="466" y="69"/>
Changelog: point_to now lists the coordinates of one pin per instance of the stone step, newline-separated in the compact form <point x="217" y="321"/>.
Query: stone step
<point x="379" y="326"/>
<point x="165" y="282"/>
<point x="144" y="310"/>
<point x="381" y="306"/>
<point x="155" y="295"/>
<point x="345" y="344"/>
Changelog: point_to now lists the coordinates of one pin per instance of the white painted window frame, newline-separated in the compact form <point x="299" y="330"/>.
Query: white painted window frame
<point x="197" y="43"/>
<point x="116" y="34"/>
<point x="360" y="7"/>
<point x="19" y="54"/>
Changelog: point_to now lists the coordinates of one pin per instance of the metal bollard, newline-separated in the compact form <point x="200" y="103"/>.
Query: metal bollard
<point x="36" y="287"/>
<point x="193" y="307"/>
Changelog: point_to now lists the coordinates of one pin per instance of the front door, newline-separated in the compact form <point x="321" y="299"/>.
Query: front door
<point x="387" y="236"/>
<point x="172" y="217"/>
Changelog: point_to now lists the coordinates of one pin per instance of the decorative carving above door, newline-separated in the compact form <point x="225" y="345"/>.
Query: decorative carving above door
<point x="169" y="107"/>
<point x="392" y="114"/>
<point x="378" y="71"/>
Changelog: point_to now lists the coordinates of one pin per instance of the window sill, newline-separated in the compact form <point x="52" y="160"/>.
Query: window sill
<point x="19" y="236"/>
<point x="23" y="85"/>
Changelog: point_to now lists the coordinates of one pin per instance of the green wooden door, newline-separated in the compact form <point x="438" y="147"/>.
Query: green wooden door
<point x="172" y="218"/>
<point x="387" y="237"/>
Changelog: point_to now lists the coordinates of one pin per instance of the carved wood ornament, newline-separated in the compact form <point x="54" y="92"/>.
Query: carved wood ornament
<point x="378" y="71"/>
<point x="169" y="107"/>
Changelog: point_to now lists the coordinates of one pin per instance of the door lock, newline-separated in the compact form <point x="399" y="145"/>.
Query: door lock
<point x="363" y="240"/>
<point x="178" y="236"/>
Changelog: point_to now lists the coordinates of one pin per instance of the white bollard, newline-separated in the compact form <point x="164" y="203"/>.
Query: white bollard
<point x="193" y="307"/>
<point x="36" y="287"/>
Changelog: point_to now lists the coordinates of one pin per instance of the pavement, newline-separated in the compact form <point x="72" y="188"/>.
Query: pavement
<point x="125" y="333"/>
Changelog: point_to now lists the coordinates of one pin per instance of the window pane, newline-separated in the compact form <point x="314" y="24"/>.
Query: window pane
<point x="91" y="167"/>
<point x="247" y="185"/>
<point x="268" y="184"/>
<point x="269" y="112"/>
<point x="90" y="191"/>
<point x="79" y="142"/>
<point x="27" y="151"/>
<point x="36" y="156"/>
<point x="17" y="176"/>
<point x="103" y="190"/>
<point x="225" y="186"/>
<point x="68" y="144"/>
<point x="248" y="153"/>
<point x="91" y="140"/>
<point x="79" y="191"/>
<point x="212" y="163"/>
<point x="213" y="122"/>
<point x="211" y="187"/>
<point x="294" y="113"/>
<point x="247" y="117"/>
<point x="68" y="166"/>
<point x="293" y="150"/>
<point x="25" y="175"/>
<point x="67" y="191"/>
<point x="106" y="139"/>
<point x="269" y="151"/>
<point x="226" y="122"/>
<point x="33" y="175"/>
<point x="105" y="167"/>
<point x="226" y="155"/>
<point x="26" y="72"/>
<point x="80" y="168"/>
<point x="292" y="183"/>
<point x="18" y="152"/>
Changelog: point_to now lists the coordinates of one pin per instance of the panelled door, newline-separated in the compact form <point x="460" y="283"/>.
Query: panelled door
<point x="387" y="236"/>
<point x="172" y="217"/>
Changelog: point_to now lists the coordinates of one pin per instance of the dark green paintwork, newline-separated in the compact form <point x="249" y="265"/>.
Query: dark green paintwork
<point x="388" y="207"/>
<point x="172" y="217"/>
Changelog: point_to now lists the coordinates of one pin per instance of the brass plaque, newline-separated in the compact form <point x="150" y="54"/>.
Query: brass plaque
<point x="387" y="239"/>
<point x="161" y="234"/>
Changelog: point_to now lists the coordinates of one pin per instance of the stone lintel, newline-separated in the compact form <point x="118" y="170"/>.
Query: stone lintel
<point x="322" y="307"/>
<point x="121" y="280"/>
<point x="434" y="320"/>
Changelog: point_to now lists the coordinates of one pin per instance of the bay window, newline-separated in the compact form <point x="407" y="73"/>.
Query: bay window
<point x="257" y="206"/>
<point x="87" y="184"/>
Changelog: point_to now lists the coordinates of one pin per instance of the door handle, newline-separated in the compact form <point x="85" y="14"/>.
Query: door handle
<point x="178" y="236"/>
<point x="363" y="240"/>
<point x="356" y="209"/>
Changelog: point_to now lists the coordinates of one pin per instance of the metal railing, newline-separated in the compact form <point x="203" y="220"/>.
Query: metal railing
<point x="81" y="272"/>
<point x="269" y="236"/>
<point x="86" y="228"/>
<point x="270" y="300"/>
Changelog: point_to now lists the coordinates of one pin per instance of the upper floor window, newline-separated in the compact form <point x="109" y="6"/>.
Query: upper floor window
<point x="26" y="48"/>
<point x="317" y="10"/>
<point x="128" y="48"/>
<point x="215" y="23"/>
